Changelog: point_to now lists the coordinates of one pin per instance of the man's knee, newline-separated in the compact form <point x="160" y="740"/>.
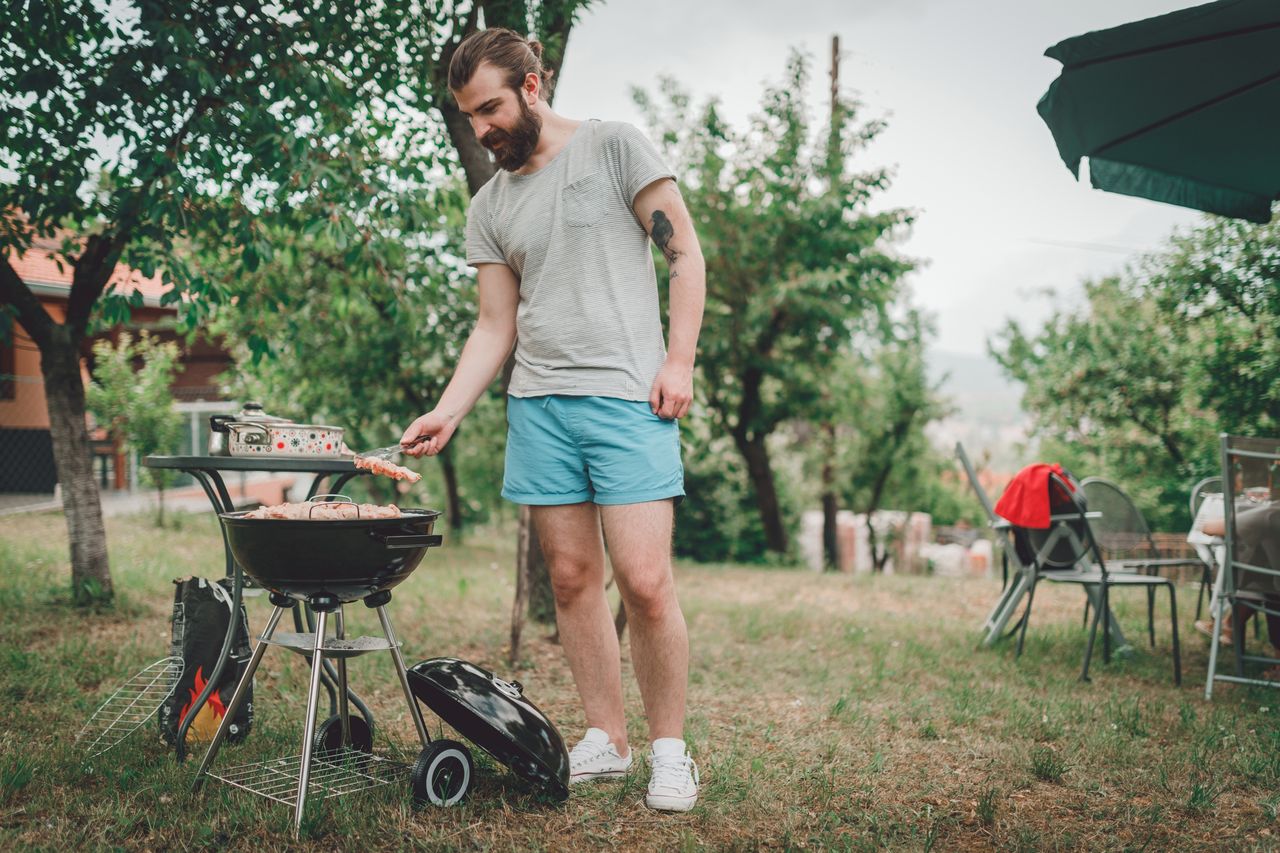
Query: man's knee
<point x="572" y="577"/>
<point x="647" y="595"/>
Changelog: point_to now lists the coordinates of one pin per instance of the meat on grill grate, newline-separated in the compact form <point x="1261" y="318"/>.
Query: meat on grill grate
<point x="325" y="511"/>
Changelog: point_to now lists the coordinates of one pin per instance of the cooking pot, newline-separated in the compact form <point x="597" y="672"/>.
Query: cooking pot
<point x="253" y="432"/>
<point x="347" y="559"/>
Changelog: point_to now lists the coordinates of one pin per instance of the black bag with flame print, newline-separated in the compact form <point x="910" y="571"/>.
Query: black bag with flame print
<point x="201" y="614"/>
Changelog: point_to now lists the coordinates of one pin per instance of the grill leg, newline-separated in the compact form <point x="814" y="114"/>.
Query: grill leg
<point x="309" y="730"/>
<point x="414" y="710"/>
<point x="236" y="699"/>
<point x="344" y="710"/>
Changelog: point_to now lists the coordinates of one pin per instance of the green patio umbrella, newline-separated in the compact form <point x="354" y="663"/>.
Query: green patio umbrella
<point x="1182" y="108"/>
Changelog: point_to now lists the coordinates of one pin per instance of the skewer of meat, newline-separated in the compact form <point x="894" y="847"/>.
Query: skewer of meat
<point x="386" y="468"/>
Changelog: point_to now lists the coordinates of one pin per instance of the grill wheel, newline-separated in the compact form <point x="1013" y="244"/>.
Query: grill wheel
<point x="328" y="737"/>
<point x="442" y="774"/>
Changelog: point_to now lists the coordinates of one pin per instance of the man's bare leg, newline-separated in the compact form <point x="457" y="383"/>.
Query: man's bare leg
<point x="571" y="542"/>
<point x="639" y="537"/>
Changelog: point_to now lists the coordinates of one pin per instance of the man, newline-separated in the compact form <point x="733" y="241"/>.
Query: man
<point x="559" y="238"/>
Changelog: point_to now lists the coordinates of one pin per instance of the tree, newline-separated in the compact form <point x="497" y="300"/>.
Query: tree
<point x="131" y="129"/>
<point x="1222" y="279"/>
<point x="362" y="335"/>
<point x="1137" y="381"/>
<point x="797" y="264"/>
<point x="886" y="459"/>
<point x="129" y="394"/>
<point x="1118" y="379"/>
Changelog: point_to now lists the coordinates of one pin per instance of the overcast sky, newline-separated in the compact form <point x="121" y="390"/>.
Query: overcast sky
<point x="1000" y="219"/>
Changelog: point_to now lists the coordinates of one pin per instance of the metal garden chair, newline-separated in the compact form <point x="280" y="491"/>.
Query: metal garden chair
<point x="1061" y="554"/>
<point x="1082" y="540"/>
<point x="1125" y="539"/>
<point x="1251" y="482"/>
<point x="1021" y="548"/>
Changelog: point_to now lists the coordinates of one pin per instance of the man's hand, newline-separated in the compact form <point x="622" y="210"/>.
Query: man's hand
<point x="439" y="425"/>
<point x="672" y="391"/>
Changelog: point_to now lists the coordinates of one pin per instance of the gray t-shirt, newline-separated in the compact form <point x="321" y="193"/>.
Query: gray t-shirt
<point x="588" y="321"/>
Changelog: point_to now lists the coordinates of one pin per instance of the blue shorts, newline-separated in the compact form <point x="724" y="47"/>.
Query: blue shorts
<point x="566" y="450"/>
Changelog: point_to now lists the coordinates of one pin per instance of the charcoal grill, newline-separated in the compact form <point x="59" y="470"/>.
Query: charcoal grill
<point x="331" y="563"/>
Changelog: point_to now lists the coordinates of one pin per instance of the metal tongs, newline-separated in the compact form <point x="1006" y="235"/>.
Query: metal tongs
<point x="391" y="450"/>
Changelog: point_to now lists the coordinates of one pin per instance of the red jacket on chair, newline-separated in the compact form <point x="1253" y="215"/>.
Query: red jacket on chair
<point x="1025" y="502"/>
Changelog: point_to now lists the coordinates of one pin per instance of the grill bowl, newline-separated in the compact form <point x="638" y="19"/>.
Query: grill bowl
<point x="346" y="559"/>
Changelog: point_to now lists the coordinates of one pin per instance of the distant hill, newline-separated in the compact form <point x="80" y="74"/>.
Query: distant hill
<point x="988" y="416"/>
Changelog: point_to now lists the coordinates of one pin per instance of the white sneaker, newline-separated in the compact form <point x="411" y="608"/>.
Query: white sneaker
<point x="673" y="777"/>
<point x="595" y="757"/>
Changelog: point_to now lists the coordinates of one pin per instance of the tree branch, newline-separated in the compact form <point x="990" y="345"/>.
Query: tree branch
<point x="31" y="314"/>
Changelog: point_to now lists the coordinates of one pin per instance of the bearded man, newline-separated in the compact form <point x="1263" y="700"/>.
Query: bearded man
<point x="560" y="238"/>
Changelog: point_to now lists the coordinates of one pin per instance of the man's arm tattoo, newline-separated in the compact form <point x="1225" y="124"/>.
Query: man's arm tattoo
<point x="662" y="231"/>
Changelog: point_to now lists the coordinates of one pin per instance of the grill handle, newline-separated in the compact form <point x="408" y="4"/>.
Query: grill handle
<point x="413" y="540"/>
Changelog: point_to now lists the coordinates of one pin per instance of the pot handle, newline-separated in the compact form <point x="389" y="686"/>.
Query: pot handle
<point x="413" y="540"/>
<point x="218" y="423"/>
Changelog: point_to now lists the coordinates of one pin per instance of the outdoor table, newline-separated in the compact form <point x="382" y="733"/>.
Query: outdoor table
<point x="999" y="618"/>
<point x="206" y="471"/>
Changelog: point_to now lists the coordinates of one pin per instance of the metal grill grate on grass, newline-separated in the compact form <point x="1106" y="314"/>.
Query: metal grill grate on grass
<point x="333" y="774"/>
<point x="133" y="703"/>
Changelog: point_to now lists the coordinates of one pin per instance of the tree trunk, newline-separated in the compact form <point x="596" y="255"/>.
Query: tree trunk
<point x="531" y="567"/>
<point x="82" y="506"/>
<point x="878" y="557"/>
<point x="830" y="538"/>
<point x="521" y="604"/>
<point x="756" y="455"/>
<point x="830" y="504"/>
<point x="620" y="620"/>
<point x="452" y="501"/>
<point x="542" y="601"/>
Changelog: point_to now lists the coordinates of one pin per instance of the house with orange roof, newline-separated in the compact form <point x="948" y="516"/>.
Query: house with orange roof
<point x="26" y="448"/>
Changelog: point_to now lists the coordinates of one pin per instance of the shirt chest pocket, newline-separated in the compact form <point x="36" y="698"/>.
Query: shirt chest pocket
<point x="582" y="202"/>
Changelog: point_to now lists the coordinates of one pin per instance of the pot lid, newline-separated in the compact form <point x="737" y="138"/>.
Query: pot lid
<point x="253" y="413"/>
<point x="495" y="716"/>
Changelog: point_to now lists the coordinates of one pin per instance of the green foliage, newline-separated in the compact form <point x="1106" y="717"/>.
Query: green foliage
<point x="1116" y="381"/>
<point x="363" y="334"/>
<point x="144" y="125"/>
<point x="797" y="263"/>
<point x="130" y="397"/>
<point x="883" y="454"/>
<point x="867" y="435"/>
<point x="1222" y="280"/>
<point x="1136" y="383"/>
<point x="718" y="522"/>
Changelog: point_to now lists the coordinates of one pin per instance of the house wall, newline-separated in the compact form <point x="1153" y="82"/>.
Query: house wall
<point x="26" y="448"/>
<point x="28" y="410"/>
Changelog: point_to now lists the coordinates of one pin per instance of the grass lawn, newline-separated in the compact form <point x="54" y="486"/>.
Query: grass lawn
<point x="826" y="712"/>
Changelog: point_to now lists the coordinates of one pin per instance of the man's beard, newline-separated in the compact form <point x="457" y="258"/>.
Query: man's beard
<point x="516" y="144"/>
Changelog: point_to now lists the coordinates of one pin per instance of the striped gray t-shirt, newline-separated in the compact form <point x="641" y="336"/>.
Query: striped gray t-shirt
<point x="588" y="321"/>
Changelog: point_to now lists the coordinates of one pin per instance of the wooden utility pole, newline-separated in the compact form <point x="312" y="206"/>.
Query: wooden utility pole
<point x="830" y="502"/>
<point x="835" y="74"/>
